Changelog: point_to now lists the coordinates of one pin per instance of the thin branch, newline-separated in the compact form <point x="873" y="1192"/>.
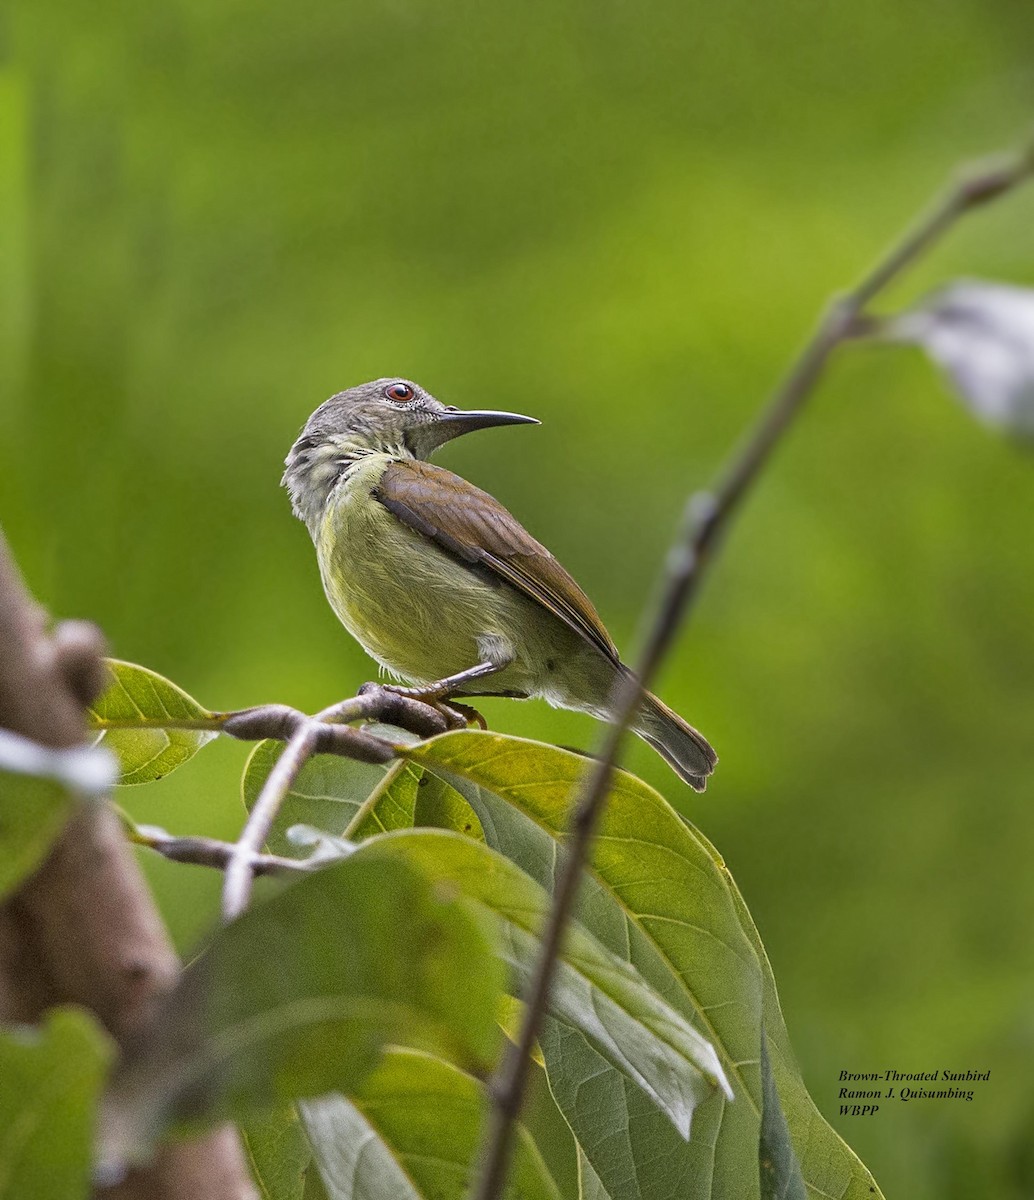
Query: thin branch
<point x="239" y="872"/>
<point x="210" y="852"/>
<point x="280" y="721"/>
<point x="706" y="517"/>
<point x="327" y="731"/>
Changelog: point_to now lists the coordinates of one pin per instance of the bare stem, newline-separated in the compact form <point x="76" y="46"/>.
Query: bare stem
<point x="239" y="873"/>
<point x="210" y="852"/>
<point x="326" y="732"/>
<point x="706" y="517"/>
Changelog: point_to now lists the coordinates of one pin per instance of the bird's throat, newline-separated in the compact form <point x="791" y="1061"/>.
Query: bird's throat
<point x="314" y="469"/>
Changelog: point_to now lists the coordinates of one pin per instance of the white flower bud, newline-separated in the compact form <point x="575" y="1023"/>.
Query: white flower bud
<point x="982" y="335"/>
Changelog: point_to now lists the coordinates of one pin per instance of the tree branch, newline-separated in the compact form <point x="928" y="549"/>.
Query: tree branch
<point x="83" y="929"/>
<point x="210" y="852"/>
<point x="707" y="515"/>
<point x="306" y="736"/>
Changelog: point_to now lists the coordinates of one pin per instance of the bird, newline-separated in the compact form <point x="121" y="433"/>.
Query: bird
<point x="442" y="585"/>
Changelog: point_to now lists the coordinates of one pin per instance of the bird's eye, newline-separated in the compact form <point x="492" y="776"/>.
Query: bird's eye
<point x="401" y="393"/>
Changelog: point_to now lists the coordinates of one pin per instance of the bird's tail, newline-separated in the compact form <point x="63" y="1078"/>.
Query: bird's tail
<point x="685" y="750"/>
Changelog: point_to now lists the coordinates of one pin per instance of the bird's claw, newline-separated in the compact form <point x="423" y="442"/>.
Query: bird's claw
<point x="468" y="713"/>
<point x="454" y="714"/>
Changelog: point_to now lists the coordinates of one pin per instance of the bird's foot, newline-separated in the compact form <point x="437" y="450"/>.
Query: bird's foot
<point x="436" y="697"/>
<point x="470" y="715"/>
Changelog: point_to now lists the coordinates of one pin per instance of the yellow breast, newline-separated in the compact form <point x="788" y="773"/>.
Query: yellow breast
<point x="412" y="607"/>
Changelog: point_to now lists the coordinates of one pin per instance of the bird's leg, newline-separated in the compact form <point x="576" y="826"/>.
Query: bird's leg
<point x="437" y="695"/>
<point x="440" y="689"/>
<point x="497" y="656"/>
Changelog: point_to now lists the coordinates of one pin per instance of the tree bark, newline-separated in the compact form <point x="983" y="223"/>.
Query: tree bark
<point x="84" y="928"/>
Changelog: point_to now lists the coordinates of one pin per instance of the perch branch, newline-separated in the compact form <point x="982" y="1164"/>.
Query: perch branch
<point x="210" y="852"/>
<point x="707" y="515"/>
<point x="327" y="731"/>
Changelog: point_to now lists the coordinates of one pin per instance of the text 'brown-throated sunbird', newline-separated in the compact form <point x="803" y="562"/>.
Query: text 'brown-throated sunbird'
<point x="438" y="582"/>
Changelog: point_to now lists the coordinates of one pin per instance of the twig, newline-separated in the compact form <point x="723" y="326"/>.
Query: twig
<point x="706" y="517"/>
<point x="210" y="852"/>
<point x="306" y="736"/>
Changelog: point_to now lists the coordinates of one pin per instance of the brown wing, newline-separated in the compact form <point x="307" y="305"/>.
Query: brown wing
<point x="469" y="524"/>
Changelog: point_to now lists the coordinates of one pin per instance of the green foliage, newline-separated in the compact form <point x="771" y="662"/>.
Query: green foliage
<point x="410" y="1132"/>
<point x="589" y="1185"/>
<point x="780" y="1172"/>
<point x="152" y="725"/>
<point x="619" y="219"/>
<point x="333" y="795"/>
<point x="33" y="812"/>
<point x="38" y="789"/>
<point x="297" y="996"/>
<point x="327" y="793"/>
<point x="664" y="995"/>
<point x="595" y="992"/>
<point x="50" y="1078"/>
<point x="660" y="896"/>
<point x="278" y="1152"/>
<point x="408" y="795"/>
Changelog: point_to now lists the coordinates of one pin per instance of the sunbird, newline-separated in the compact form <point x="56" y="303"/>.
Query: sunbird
<point x="438" y="582"/>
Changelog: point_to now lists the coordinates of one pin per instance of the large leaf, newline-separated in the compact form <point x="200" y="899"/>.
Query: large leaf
<point x="410" y="1131"/>
<point x="327" y="793"/>
<point x="589" y="1185"/>
<point x="631" y="1150"/>
<point x="152" y="726"/>
<point x="408" y="796"/>
<point x="828" y="1165"/>
<point x="278" y="1153"/>
<point x="333" y="794"/>
<point x="780" y="1170"/>
<point x="297" y="997"/>
<point x="49" y="1082"/>
<point x="595" y="992"/>
<point x="658" y="895"/>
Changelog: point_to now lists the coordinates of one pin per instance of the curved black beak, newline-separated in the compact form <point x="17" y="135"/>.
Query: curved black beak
<point x="453" y="422"/>
<point x="461" y="420"/>
<point x="456" y="421"/>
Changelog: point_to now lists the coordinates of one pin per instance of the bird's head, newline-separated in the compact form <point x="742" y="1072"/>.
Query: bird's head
<point x="392" y="416"/>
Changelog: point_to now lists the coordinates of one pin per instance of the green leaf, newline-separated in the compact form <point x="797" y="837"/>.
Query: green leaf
<point x="410" y="1131"/>
<point x="355" y="800"/>
<point x="39" y="787"/>
<point x="605" y="998"/>
<point x="780" y="1172"/>
<point x="297" y="997"/>
<point x="589" y="1185"/>
<point x="278" y="1153"/>
<point x="32" y="813"/>
<point x="50" y="1079"/>
<point x="828" y="1165"/>
<point x="152" y="726"/>
<point x="631" y="1149"/>
<point x="314" y="1188"/>
<point x="327" y="794"/>
<point x="659" y="896"/>
<point x="440" y="806"/>
<point x="407" y="796"/>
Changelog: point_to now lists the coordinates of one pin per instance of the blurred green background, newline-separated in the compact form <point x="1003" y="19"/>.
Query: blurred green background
<point x="621" y="219"/>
